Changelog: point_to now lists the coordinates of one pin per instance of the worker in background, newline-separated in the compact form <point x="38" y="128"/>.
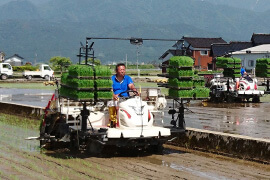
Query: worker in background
<point x="121" y="82"/>
<point x="243" y="71"/>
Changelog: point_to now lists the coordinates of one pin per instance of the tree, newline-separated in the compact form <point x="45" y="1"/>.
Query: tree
<point x="59" y="63"/>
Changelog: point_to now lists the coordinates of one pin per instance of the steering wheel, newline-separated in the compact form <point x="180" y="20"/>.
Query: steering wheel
<point x="135" y="93"/>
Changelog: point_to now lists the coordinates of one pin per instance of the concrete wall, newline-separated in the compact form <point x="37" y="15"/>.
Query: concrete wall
<point x="244" y="147"/>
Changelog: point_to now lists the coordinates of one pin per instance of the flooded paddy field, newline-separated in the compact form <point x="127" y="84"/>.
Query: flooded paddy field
<point x="22" y="159"/>
<point x="249" y="119"/>
<point x="32" y="97"/>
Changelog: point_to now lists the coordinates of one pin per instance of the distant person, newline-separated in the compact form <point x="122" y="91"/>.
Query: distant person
<point x="243" y="71"/>
<point x="121" y="81"/>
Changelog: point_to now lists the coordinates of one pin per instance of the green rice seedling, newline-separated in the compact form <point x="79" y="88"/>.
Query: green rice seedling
<point x="80" y="70"/>
<point x="105" y="94"/>
<point x="180" y="83"/>
<point x="186" y="73"/>
<point x="173" y="82"/>
<point x="64" y="78"/>
<point x="226" y="62"/>
<point x="198" y="83"/>
<point x="178" y="61"/>
<point x="103" y="71"/>
<point x="80" y="83"/>
<point x="201" y="92"/>
<point x="180" y="93"/>
<point x="173" y="72"/>
<point x="104" y="83"/>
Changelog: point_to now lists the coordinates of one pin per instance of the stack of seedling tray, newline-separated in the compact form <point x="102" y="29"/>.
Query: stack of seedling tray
<point x="263" y="67"/>
<point x="182" y="83"/>
<point x="231" y="66"/>
<point x="180" y="77"/>
<point x="84" y="82"/>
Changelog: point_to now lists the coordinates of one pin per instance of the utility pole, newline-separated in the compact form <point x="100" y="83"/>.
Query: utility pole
<point x="126" y="60"/>
<point x="138" y="61"/>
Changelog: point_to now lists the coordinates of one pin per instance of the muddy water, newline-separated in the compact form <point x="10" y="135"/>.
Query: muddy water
<point x="33" y="97"/>
<point x="15" y="136"/>
<point x="249" y="119"/>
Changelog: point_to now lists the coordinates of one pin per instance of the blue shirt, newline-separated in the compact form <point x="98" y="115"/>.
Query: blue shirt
<point x="122" y="86"/>
<point x="242" y="71"/>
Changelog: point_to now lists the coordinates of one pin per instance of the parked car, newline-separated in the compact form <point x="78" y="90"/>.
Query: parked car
<point x="6" y="71"/>
<point x="44" y="71"/>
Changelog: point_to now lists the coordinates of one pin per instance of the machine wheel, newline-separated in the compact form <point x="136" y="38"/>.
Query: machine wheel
<point x="74" y="145"/>
<point x="4" y="76"/>
<point x="156" y="149"/>
<point x="47" y="77"/>
<point x="256" y="100"/>
<point x="94" y="148"/>
<point x="29" y="77"/>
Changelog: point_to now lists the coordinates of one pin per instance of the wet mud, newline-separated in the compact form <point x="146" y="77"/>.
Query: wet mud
<point x="22" y="159"/>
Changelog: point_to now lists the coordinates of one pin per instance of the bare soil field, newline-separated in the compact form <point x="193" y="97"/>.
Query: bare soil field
<point x="22" y="159"/>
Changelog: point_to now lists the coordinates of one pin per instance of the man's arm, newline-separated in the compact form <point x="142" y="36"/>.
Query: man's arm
<point x="132" y="87"/>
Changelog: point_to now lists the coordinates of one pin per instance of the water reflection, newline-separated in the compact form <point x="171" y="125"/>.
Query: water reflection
<point x="33" y="97"/>
<point x="249" y="119"/>
<point x="15" y="136"/>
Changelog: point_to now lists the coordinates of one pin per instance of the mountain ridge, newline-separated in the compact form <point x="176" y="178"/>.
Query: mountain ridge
<point x="55" y="28"/>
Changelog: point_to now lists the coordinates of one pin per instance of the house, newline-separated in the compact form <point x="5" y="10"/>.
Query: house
<point x="224" y="49"/>
<point x="250" y="55"/>
<point x="14" y="60"/>
<point x="2" y="56"/>
<point x="197" y="48"/>
<point x="259" y="39"/>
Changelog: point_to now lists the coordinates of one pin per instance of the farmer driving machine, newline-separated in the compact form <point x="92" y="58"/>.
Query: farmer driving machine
<point x="83" y="116"/>
<point x="233" y="87"/>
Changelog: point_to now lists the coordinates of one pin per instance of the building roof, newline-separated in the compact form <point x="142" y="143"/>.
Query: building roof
<point x="174" y="52"/>
<point x="265" y="48"/>
<point x="15" y="55"/>
<point x="258" y="39"/>
<point x="221" y="49"/>
<point x="196" y="42"/>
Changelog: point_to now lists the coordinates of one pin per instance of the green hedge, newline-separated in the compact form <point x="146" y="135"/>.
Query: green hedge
<point x="24" y="68"/>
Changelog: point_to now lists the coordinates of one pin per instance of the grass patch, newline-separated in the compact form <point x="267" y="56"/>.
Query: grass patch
<point x="20" y="121"/>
